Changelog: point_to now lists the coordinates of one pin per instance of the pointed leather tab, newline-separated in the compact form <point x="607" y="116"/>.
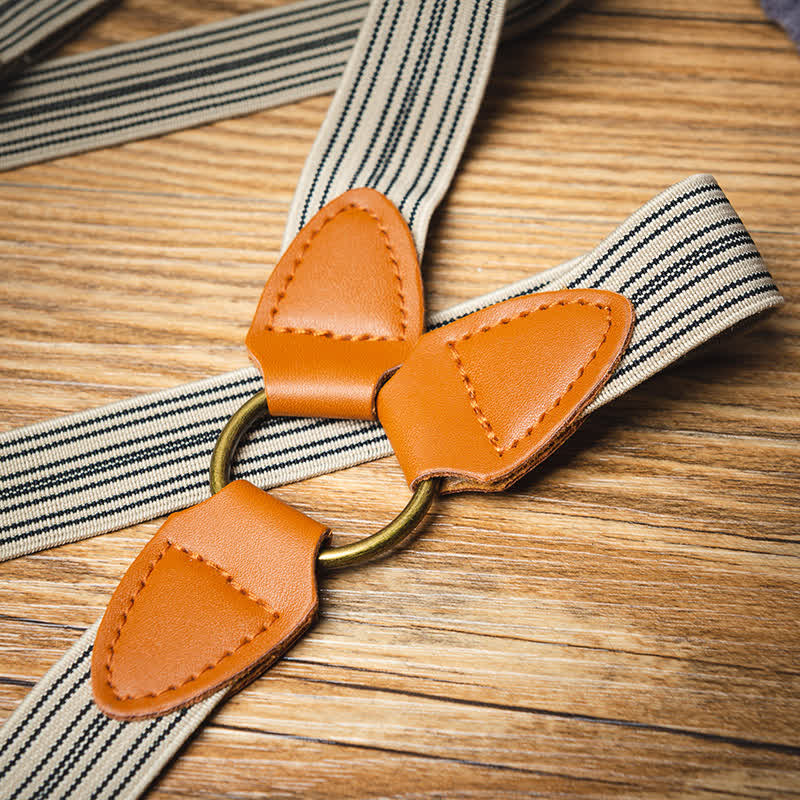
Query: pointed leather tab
<point x="342" y="307"/>
<point x="482" y="400"/>
<point x="220" y="592"/>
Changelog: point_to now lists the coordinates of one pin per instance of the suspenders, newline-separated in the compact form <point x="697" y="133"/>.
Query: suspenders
<point x="409" y="77"/>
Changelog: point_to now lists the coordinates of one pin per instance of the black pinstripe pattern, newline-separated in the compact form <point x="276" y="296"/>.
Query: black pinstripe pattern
<point x="111" y="774"/>
<point x="403" y="204"/>
<point x="704" y="250"/>
<point x="234" y="96"/>
<point x="426" y="105"/>
<point x="169" y="46"/>
<point x="74" y="721"/>
<point x="36" y="21"/>
<point x="412" y="214"/>
<point x="57" y="772"/>
<point x="25" y="22"/>
<point x="398" y="6"/>
<point x="177" y="449"/>
<point x="169" y="724"/>
<point x="388" y="105"/>
<point x="145" y="454"/>
<point x="191" y="73"/>
<point x="403" y="112"/>
<point x="178" y="401"/>
<point x="78" y="779"/>
<point x="82" y="661"/>
<point x="187" y="482"/>
<point x="581" y="279"/>
<point x="14" y="6"/>
<point x="751" y="255"/>
<point x="716" y="310"/>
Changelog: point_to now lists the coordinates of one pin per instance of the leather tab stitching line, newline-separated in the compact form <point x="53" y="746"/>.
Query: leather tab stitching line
<point x="328" y="334"/>
<point x="476" y="408"/>
<point x="143" y="582"/>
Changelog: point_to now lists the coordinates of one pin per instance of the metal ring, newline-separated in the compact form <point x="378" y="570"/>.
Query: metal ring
<point x="331" y="557"/>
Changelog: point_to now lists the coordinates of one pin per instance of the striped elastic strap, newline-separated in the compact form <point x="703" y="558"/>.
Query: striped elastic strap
<point x="398" y="122"/>
<point x="190" y="77"/>
<point x="31" y="28"/>
<point x="57" y="744"/>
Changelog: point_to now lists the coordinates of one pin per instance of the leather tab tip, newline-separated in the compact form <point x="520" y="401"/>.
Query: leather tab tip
<point x="219" y="593"/>
<point x="481" y="401"/>
<point x="342" y="307"/>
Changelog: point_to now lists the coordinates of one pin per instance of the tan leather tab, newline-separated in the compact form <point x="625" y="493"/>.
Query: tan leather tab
<point x="482" y="400"/>
<point x="219" y="593"/>
<point x="343" y="306"/>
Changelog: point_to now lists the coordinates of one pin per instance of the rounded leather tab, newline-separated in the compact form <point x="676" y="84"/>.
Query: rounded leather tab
<point x="484" y="399"/>
<point x="218" y="594"/>
<point x="342" y="307"/>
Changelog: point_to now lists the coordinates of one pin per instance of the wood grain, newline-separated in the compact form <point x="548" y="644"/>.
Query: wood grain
<point x="624" y="623"/>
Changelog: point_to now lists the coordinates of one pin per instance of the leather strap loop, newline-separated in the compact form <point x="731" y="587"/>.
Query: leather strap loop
<point x="342" y="307"/>
<point x="484" y="399"/>
<point x="217" y="595"/>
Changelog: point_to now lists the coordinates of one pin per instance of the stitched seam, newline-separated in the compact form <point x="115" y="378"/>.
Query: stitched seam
<point x="473" y="401"/>
<point x="346" y="337"/>
<point x="327" y="333"/>
<point x="143" y="582"/>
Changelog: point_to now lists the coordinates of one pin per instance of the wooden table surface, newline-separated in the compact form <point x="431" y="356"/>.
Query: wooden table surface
<point x="625" y="622"/>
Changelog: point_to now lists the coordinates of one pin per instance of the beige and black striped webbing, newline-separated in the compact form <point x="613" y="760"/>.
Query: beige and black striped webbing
<point x="189" y="77"/>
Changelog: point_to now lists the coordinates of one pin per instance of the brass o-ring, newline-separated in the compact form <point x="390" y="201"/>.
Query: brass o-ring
<point x="331" y="557"/>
